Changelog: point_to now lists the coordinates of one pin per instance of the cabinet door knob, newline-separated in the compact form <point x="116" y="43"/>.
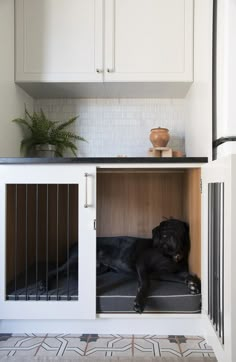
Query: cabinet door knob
<point x="99" y="70"/>
<point x="110" y="70"/>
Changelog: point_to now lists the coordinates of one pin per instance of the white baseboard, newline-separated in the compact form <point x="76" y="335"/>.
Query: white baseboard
<point x="159" y="325"/>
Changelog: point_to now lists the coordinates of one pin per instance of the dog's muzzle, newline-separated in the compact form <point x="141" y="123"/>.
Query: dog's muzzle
<point x="177" y="258"/>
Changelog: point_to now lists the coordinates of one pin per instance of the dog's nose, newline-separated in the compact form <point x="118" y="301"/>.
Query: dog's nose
<point x="177" y="258"/>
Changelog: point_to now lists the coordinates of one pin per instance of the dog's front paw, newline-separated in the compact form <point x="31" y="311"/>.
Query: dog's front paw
<point x="138" y="307"/>
<point x="41" y="286"/>
<point x="193" y="284"/>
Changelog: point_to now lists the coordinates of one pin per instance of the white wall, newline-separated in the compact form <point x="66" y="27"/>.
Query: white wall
<point x="198" y="136"/>
<point x="12" y="98"/>
<point x="119" y="126"/>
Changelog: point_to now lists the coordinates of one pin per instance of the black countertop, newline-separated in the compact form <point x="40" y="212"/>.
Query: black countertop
<point x="100" y="160"/>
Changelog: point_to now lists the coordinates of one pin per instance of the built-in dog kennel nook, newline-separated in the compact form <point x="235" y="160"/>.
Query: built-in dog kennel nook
<point x="132" y="202"/>
<point x="41" y="224"/>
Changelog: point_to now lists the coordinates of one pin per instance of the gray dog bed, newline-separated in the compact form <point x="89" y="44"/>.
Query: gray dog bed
<point x="116" y="293"/>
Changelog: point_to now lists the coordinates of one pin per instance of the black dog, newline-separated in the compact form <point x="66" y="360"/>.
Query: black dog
<point x="163" y="256"/>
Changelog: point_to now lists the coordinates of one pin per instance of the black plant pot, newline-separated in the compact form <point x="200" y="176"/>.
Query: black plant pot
<point x="45" y="150"/>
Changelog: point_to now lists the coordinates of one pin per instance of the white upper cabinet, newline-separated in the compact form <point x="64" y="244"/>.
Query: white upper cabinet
<point x="149" y="40"/>
<point x="104" y="40"/>
<point x="59" y="40"/>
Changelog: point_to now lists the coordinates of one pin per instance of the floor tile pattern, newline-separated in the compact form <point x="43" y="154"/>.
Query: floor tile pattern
<point x="111" y="345"/>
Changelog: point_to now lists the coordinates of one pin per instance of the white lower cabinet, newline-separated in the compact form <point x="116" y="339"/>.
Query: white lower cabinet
<point x="218" y="255"/>
<point x="46" y="208"/>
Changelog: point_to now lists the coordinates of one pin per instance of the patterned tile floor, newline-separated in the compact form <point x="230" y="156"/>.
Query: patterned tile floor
<point x="94" y="345"/>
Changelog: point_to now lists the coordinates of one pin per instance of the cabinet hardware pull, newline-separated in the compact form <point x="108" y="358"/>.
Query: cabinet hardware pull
<point x="86" y="190"/>
<point x="111" y="36"/>
<point x="99" y="70"/>
<point x="94" y="224"/>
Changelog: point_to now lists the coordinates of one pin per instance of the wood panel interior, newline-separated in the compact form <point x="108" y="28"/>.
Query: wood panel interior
<point x="192" y="214"/>
<point x="134" y="202"/>
<point x="26" y="239"/>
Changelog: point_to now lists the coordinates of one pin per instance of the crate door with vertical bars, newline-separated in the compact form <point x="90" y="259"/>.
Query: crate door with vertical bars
<point x="217" y="254"/>
<point x="48" y="241"/>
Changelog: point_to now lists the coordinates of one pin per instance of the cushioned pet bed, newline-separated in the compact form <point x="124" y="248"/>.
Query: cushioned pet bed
<point x="116" y="294"/>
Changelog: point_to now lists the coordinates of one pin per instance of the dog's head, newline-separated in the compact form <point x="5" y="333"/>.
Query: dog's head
<point x="171" y="238"/>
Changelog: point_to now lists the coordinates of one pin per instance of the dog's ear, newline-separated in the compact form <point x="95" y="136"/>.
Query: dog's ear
<point x="187" y="232"/>
<point x="186" y="239"/>
<point x="186" y="226"/>
<point x="156" y="236"/>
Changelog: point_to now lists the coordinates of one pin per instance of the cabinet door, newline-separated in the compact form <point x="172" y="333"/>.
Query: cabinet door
<point x="47" y="215"/>
<point x="59" y="40"/>
<point x="149" y="40"/>
<point x="218" y="255"/>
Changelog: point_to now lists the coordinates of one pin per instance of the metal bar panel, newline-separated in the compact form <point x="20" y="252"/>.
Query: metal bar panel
<point x="49" y="217"/>
<point x="216" y="256"/>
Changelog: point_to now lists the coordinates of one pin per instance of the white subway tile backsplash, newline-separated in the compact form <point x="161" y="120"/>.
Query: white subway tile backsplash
<point x="119" y="126"/>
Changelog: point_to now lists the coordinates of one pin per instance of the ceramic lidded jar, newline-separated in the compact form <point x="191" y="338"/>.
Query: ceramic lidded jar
<point x="159" y="137"/>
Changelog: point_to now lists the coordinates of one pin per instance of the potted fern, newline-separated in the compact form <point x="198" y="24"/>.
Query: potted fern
<point x="46" y="138"/>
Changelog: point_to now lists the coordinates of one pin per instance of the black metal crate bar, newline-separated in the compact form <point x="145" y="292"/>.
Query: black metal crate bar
<point x="216" y="256"/>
